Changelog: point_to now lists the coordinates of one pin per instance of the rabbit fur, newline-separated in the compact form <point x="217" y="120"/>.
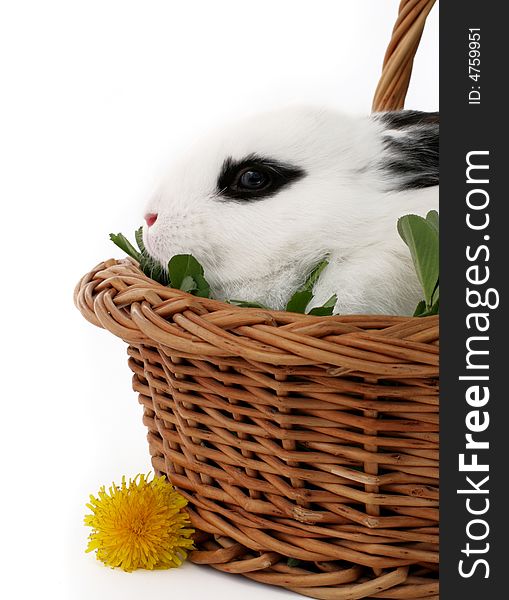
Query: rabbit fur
<point x="344" y="181"/>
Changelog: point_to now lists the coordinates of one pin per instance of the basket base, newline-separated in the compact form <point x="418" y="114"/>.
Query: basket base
<point x="326" y="580"/>
<point x="323" y="580"/>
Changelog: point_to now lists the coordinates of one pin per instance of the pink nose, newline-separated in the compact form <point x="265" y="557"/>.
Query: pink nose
<point x="150" y="218"/>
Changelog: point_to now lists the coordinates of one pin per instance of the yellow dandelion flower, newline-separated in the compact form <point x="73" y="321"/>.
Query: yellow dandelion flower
<point x="142" y="524"/>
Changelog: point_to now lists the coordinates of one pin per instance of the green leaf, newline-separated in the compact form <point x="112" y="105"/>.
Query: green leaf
<point x="148" y="265"/>
<point x="322" y="311"/>
<point x="124" y="244"/>
<point x="309" y="284"/>
<point x="153" y="269"/>
<point x="426" y="311"/>
<point x="203" y="289"/>
<point x="327" y="309"/>
<point x="303" y="296"/>
<point x="432" y="218"/>
<point x="181" y="266"/>
<point x="138" y="235"/>
<point x="188" y="284"/>
<point x="246" y="304"/>
<point x="436" y="294"/>
<point x="331" y="302"/>
<point x="421" y="309"/>
<point x="299" y="301"/>
<point x="293" y="562"/>
<point x="435" y="308"/>
<point x="421" y="237"/>
<point x="184" y="268"/>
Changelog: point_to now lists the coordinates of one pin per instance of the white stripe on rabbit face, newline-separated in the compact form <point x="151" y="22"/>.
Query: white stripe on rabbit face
<point x="320" y="183"/>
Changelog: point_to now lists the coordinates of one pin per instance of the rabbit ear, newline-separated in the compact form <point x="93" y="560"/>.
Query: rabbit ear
<point x="404" y="119"/>
<point x="411" y="142"/>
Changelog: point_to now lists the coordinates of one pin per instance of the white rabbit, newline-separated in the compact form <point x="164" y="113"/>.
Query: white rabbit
<point x="260" y="204"/>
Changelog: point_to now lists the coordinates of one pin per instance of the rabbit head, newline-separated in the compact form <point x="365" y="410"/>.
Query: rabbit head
<point x="260" y="203"/>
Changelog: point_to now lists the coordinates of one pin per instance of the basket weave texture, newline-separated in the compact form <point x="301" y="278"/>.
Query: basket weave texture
<point x="306" y="446"/>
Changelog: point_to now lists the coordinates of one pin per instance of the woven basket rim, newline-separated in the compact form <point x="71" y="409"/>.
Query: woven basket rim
<point x="117" y="296"/>
<point x="212" y="303"/>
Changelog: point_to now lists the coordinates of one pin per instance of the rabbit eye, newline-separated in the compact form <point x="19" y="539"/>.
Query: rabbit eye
<point x="254" y="178"/>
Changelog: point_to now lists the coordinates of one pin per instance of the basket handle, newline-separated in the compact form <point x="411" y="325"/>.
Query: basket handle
<point x="399" y="57"/>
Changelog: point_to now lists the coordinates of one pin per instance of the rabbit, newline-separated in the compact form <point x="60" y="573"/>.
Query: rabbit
<point x="262" y="202"/>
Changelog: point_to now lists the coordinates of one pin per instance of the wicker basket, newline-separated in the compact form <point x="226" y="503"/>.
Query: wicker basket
<point x="307" y="446"/>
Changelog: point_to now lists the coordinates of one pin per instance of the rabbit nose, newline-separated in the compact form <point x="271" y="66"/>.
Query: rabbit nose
<point x="150" y="218"/>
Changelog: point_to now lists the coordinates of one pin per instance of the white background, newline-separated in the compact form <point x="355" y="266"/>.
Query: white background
<point x="97" y="96"/>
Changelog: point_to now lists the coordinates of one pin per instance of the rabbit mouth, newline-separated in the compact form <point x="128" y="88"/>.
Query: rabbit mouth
<point x="272" y="288"/>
